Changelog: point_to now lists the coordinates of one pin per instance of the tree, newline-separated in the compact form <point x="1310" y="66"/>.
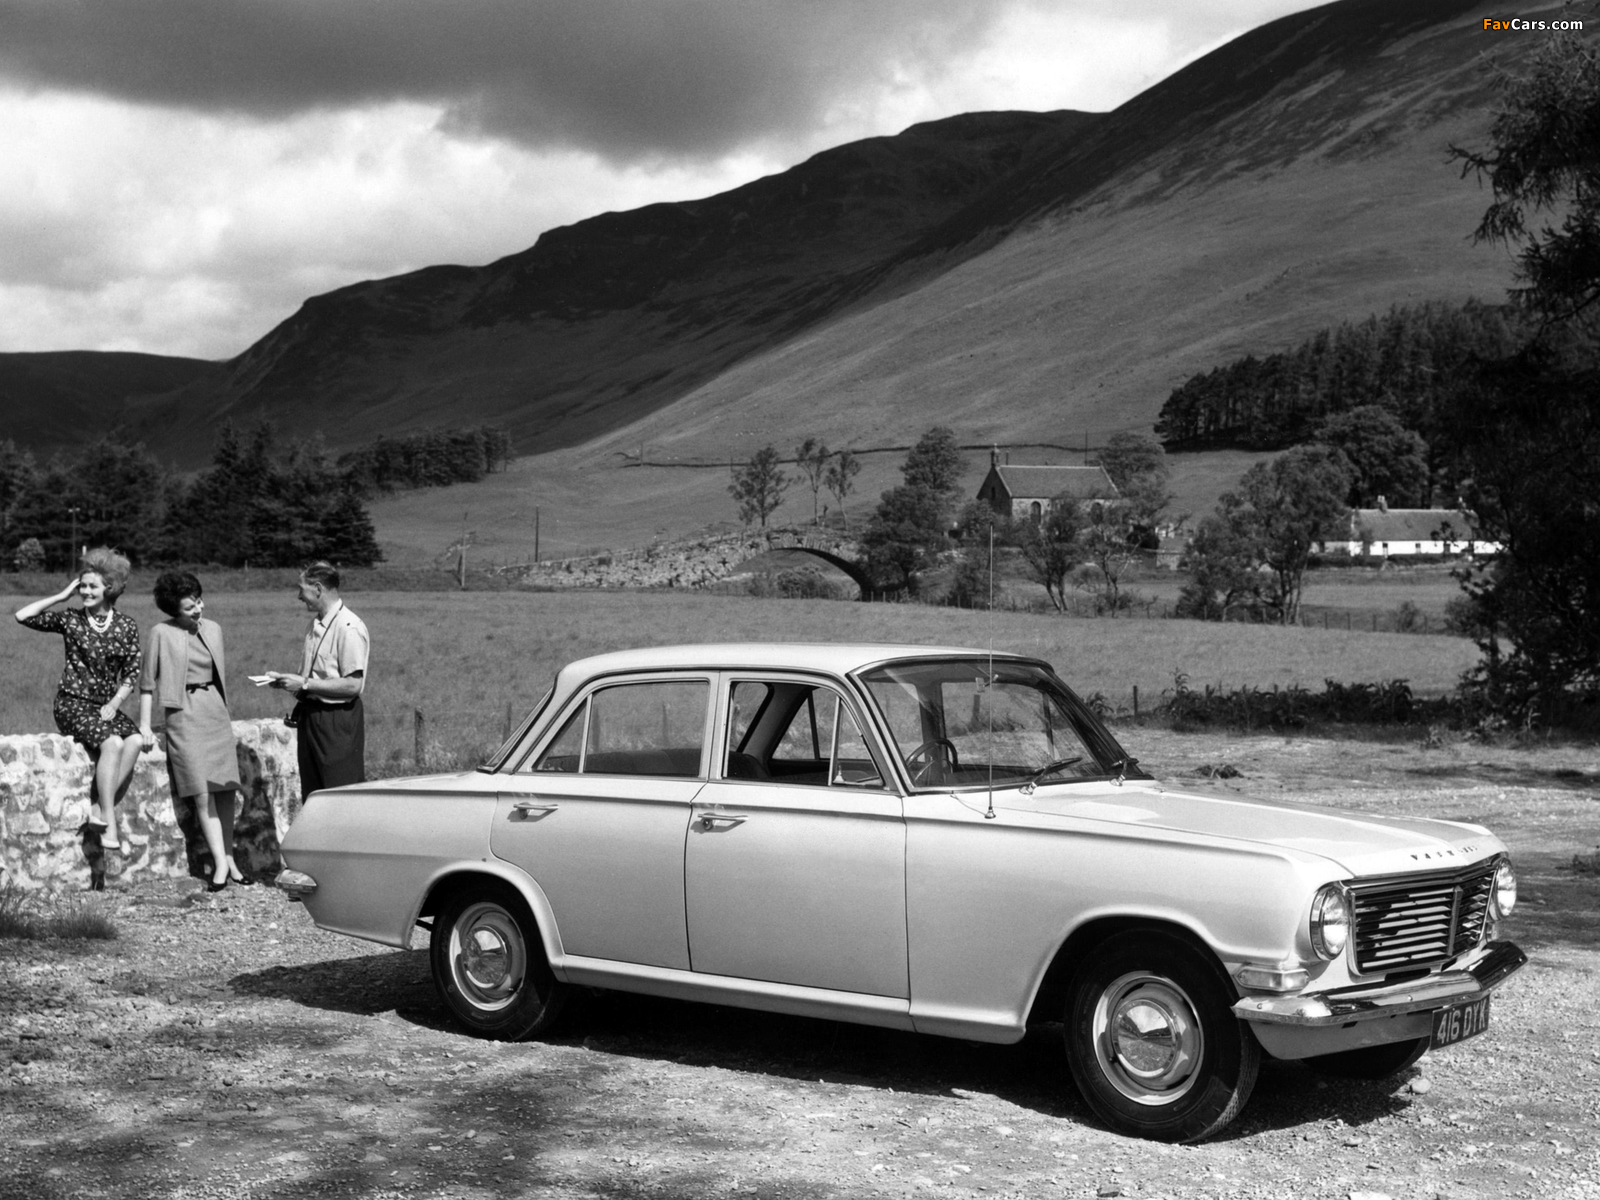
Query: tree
<point x="1386" y="459"/>
<point x="1543" y="158"/>
<point x="908" y="529"/>
<point x="972" y="585"/>
<point x="1051" y="548"/>
<point x="1281" y="510"/>
<point x="268" y="505"/>
<point x="1222" y="574"/>
<point x="1527" y="428"/>
<point x="841" y="476"/>
<point x="1531" y="429"/>
<point x="346" y="533"/>
<point x="1129" y="457"/>
<point x="812" y="455"/>
<point x="934" y="464"/>
<point x="112" y="493"/>
<point x="1116" y="532"/>
<point x="16" y="475"/>
<point x="758" y="486"/>
<point x="904" y="537"/>
<point x="1111" y="541"/>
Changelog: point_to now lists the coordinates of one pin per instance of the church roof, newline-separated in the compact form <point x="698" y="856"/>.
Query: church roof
<point x="1046" y="483"/>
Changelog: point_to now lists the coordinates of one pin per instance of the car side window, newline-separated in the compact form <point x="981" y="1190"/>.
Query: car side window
<point x="796" y="733"/>
<point x="654" y="728"/>
<point x="745" y="703"/>
<point x="565" y="753"/>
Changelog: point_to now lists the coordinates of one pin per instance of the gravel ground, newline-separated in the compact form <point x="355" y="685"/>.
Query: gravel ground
<point x="224" y="1047"/>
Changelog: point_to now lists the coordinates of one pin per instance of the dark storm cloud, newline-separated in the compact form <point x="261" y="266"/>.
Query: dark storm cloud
<point x="626" y="78"/>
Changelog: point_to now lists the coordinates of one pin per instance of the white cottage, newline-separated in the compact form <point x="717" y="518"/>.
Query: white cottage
<point x="1409" y="532"/>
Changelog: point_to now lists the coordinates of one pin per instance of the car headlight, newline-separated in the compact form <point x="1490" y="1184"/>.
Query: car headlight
<point x="1505" y="889"/>
<point x="1330" y="920"/>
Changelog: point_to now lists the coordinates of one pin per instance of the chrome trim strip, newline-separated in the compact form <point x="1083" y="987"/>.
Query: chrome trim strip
<point x="1501" y="961"/>
<point x="890" y="1011"/>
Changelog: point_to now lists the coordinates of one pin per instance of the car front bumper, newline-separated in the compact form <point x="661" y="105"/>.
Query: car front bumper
<point x="1327" y="1022"/>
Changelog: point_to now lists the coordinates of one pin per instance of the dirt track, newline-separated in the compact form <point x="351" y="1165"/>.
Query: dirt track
<point x="224" y="1047"/>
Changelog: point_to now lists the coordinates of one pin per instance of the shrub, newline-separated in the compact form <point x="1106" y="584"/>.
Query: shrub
<point x="971" y="586"/>
<point x="1292" y="707"/>
<point x="29" y="555"/>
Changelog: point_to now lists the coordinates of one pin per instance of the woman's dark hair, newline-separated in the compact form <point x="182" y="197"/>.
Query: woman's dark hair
<point x="172" y="588"/>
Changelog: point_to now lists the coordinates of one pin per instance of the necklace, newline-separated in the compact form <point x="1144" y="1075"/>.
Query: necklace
<point x="99" y="623"/>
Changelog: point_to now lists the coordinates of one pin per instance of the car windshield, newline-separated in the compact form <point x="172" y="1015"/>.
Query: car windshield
<point x="956" y="723"/>
<point x="507" y="748"/>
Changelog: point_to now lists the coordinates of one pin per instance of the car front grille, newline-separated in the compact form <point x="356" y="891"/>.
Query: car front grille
<point x="1415" y="920"/>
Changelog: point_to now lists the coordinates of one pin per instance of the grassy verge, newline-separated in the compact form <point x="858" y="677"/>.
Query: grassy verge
<point x="33" y="916"/>
<point x="473" y="663"/>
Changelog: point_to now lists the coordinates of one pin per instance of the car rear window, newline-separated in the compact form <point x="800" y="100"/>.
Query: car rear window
<point x="653" y="728"/>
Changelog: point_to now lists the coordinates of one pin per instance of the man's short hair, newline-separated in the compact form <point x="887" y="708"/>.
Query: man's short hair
<point x="322" y="572"/>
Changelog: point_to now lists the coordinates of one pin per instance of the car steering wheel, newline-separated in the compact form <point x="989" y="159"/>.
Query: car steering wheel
<point x="927" y="747"/>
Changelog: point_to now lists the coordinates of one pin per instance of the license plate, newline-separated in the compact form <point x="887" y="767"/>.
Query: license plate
<point x="1459" y="1022"/>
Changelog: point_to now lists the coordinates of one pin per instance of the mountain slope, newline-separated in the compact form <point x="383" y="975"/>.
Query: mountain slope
<point x="62" y="398"/>
<point x="1232" y="225"/>
<point x="602" y="321"/>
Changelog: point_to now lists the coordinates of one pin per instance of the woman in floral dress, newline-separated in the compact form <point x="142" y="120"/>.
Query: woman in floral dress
<point x="102" y="671"/>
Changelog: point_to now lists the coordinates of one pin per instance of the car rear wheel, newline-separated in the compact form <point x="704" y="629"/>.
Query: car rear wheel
<point x="489" y="965"/>
<point x="1370" y="1062"/>
<point x="1152" y="1041"/>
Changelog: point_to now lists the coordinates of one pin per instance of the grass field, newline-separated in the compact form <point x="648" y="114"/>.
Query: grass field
<point x="472" y="661"/>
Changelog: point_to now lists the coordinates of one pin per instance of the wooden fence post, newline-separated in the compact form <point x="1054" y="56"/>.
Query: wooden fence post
<point x="1136" y="702"/>
<point x="420" y="733"/>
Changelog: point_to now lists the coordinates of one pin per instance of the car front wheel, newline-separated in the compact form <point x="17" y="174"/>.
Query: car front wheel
<point x="489" y="965"/>
<point x="1152" y="1041"/>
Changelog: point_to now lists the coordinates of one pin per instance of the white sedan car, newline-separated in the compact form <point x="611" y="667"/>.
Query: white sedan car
<point x="931" y="839"/>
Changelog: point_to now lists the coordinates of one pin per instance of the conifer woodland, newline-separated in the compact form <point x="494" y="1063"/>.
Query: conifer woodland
<point x="262" y="502"/>
<point x="1410" y="361"/>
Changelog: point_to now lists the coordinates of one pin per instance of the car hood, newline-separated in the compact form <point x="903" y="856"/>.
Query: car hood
<point x="1361" y="843"/>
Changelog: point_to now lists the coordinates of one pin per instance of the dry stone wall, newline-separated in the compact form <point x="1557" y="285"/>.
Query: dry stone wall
<point x="691" y="564"/>
<point x="44" y="801"/>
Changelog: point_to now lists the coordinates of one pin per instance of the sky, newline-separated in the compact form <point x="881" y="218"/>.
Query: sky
<point x="180" y="174"/>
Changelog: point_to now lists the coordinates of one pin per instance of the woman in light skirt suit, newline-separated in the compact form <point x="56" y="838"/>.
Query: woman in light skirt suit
<point x="184" y="673"/>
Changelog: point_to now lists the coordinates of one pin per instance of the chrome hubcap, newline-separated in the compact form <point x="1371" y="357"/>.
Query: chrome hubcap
<point x="1147" y="1038"/>
<point x="487" y="956"/>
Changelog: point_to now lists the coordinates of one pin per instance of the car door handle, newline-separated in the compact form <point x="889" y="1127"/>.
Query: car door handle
<point x="526" y="809"/>
<point x="712" y="820"/>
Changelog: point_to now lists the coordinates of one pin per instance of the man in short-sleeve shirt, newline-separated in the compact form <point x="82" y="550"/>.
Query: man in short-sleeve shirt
<point x="333" y="668"/>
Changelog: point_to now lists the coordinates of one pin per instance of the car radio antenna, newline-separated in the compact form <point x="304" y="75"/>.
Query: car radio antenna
<point x="988" y="813"/>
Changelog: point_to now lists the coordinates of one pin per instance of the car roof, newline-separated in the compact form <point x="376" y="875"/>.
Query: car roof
<point x="834" y="657"/>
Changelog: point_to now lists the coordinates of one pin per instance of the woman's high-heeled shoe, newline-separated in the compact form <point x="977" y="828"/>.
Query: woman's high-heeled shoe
<point x="214" y="886"/>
